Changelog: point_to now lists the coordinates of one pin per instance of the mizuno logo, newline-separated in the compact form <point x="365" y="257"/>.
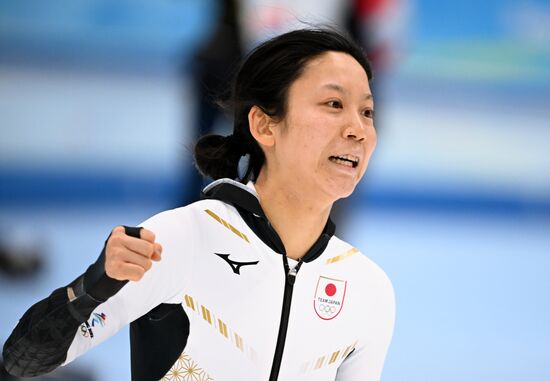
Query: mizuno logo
<point x="235" y="266"/>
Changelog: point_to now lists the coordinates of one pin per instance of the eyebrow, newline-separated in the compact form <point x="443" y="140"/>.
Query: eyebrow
<point x="340" y="89"/>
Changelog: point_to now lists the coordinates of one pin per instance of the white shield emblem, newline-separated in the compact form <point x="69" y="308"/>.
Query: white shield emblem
<point x="329" y="297"/>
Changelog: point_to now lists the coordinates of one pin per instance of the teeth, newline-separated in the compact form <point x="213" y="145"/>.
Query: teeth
<point x="348" y="160"/>
<point x="341" y="161"/>
<point x="349" y="157"/>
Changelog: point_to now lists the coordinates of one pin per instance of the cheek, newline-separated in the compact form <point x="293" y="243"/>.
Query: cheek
<point x="309" y="135"/>
<point x="308" y="139"/>
<point x="309" y="150"/>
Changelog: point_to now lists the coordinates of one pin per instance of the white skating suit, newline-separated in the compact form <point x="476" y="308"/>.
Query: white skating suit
<point x="249" y="313"/>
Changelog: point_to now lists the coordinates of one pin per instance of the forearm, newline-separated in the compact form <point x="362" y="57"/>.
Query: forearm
<point x="40" y="341"/>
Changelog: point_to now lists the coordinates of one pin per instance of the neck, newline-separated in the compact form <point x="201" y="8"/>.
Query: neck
<point x="298" y="219"/>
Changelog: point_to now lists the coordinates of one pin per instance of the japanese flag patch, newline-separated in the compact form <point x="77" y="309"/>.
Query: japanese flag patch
<point x="329" y="297"/>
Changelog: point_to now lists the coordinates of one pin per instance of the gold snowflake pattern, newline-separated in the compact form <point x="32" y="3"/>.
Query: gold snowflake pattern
<point x="185" y="369"/>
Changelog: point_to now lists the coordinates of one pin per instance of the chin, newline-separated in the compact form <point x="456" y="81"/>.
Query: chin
<point x="341" y="189"/>
<point x="346" y="194"/>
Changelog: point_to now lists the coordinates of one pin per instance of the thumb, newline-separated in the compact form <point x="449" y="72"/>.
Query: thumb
<point x="133" y="231"/>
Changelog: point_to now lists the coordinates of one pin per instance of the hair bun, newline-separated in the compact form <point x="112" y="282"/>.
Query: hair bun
<point x="237" y="144"/>
<point x="218" y="156"/>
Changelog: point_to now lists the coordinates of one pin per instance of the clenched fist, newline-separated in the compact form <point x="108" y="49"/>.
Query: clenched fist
<point x="127" y="257"/>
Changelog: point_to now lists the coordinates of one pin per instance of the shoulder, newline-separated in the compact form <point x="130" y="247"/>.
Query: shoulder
<point x="369" y="289"/>
<point x="189" y="218"/>
<point x="344" y="257"/>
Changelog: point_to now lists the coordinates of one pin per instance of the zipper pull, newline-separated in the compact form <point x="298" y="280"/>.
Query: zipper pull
<point x="291" y="276"/>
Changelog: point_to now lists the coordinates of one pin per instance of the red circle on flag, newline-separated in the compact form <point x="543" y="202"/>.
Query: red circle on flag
<point x="330" y="289"/>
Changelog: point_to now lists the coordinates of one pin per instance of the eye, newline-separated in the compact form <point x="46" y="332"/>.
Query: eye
<point x="369" y="113"/>
<point x="334" y="104"/>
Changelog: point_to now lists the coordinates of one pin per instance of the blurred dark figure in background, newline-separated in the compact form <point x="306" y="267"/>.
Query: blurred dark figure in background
<point x="364" y="23"/>
<point x="17" y="262"/>
<point x="213" y="66"/>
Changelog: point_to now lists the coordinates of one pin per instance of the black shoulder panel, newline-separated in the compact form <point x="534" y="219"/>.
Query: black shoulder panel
<point x="157" y="339"/>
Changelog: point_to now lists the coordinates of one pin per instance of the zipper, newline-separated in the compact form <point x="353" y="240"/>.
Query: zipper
<point x="290" y="275"/>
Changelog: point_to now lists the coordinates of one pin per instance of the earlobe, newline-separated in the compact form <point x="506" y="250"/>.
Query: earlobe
<point x="261" y="126"/>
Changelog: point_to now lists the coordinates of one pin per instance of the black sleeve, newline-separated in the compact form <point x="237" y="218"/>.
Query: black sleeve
<point x="40" y="341"/>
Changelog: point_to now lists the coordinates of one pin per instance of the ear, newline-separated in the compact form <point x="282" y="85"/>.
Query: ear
<point x="261" y="126"/>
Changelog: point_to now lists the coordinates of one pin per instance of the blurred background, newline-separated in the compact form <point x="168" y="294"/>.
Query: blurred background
<point x="100" y="102"/>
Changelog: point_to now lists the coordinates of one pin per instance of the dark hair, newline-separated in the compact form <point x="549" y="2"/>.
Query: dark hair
<point x="263" y="80"/>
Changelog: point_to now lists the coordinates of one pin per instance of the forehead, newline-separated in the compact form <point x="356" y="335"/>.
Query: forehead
<point x="335" y="68"/>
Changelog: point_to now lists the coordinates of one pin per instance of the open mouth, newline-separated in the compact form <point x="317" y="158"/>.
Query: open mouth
<point x="348" y="160"/>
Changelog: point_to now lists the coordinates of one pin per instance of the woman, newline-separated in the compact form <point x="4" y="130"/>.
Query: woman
<point x="252" y="283"/>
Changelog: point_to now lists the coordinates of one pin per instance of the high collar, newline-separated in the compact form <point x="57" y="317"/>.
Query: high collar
<point x="245" y="199"/>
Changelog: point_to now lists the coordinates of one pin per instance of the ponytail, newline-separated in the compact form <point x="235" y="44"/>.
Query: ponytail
<point x="218" y="156"/>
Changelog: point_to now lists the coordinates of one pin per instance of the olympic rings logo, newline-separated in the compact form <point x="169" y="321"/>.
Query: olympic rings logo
<point x="327" y="309"/>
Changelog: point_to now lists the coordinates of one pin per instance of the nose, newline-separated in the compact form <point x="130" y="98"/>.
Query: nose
<point x="356" y="128"/>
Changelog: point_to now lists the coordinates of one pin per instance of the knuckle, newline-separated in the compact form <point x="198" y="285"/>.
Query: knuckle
<point x="148" y="265"/>
<point x="147" y="234"/>
<point x="139" y="274"/>
<point x="117" y="230"/>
